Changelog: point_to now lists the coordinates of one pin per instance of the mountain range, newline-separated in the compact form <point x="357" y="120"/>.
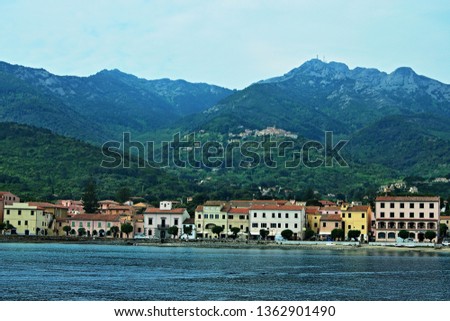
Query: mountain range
<point x="397" y="124"/>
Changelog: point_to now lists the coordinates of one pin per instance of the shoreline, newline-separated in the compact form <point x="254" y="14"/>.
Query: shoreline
<point x="218" y="244"/>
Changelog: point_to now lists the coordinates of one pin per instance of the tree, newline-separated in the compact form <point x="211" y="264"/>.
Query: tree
<point x="187" y="230"/>
<point x="337" y="234"/>
<point x="67" y="229"/>
<point x="430" y="235"/>
<point x="403" y="234"/>
<point x="217" y="230"/>
<point x="73" y="232"/>
<point x="173" y="230"/>
<point x="443" y="228"/>
<point x="114" y="230"/>
<point x="287" y="234"/>
<point x="81" y="231"/>
<point x="2" y="227"/>
<point x="90" y="199"/>
<point x="309" y="234"/>
<point x="263" y="233"/>
<point x="353" y="234"/>
<point x="123" y="195"/>
<point x="235" y="231"/>
<point x="126" y="228"/>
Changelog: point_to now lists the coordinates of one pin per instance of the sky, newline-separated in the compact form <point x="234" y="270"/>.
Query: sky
<point x="230" y="43"/>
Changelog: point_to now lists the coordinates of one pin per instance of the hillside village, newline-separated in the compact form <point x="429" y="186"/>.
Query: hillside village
<point x="419" y="216"/>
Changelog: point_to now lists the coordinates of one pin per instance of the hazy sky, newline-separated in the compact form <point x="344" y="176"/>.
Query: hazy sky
<point x="224" y="42"/>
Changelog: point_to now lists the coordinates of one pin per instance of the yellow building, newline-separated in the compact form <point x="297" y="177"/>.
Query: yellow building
<point x="313" y="216"/>
<point x="211" y="214"/>
<point x="356" y="218"/>
<point x="28" y="219"/>
<point x="238" y="217"/>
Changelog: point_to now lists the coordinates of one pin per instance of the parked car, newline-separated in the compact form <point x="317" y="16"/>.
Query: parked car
<point x="140" y="236"/>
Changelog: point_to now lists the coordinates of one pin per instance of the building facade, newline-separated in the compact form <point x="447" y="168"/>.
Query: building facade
<point x="7" y="198"/>
<point x="356" y="217"/>
<point x="27" y="219"/>
<point x="157" y="221"/>
<point x="210" y="215"/>
<point x="415" y="214"/>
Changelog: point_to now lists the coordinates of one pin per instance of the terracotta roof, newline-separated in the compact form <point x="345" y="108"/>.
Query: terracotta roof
<point x="327" y="202"/>
<point x="277" y="207"/>
<point x="154" y="210"/>
<point x="107" y="202"/>
<point x="138" y="217"/>
<point x="95" y="217"/>
<point x="199" y="208"/>
<point x="445" y="217"/>
<point x="312" y="209"/>
<point x="359" y="208"/>
<point x="189" y="221"/>
<point x="62" y="219"/>
<point x="214" y="203"/>
<point x="331" y="217"/>
<point x="239" y="210"/>
<point x="330" y="208"/>
<point x="142" y="205"/>
<point x="46" y="205"/>
<point x="248" y="203"/>
<point x="120" y="207"/>
<point x="407" y="198"/>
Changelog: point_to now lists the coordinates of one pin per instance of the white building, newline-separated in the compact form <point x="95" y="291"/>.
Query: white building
<point x="157" y="221"/>
<point x="277" y="218"/>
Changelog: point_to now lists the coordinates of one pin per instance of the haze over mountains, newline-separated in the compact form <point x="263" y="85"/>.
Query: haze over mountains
<point x="397" y="124"/>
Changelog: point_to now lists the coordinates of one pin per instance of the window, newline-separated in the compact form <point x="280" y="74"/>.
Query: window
<point x="150" y="221"/>
<point x="7" y="212"/>
<point x="296" y="215"/>
<point x="150" y="232"/>
<point x="382" y="214"/>
<point x="402" y="214"/>
<point x="295" y="225"/>
<point x="139" y="230"/>
<point x="109" y="224"/>
<point x="217" y="216"/>
<point x="287" y="215"/>
<point x="411" y="205"/>
<point x="229" y="226"/>
<point x="254" y="224"/>
<point x="241" y="227"/>
<point x="255" y="215"/>
<point x="99" y="224"/>
<point x="363" y="215"/>
<point x="199" y="216"/>
<point x="391" y="214"/>
<point x="349" y="215"/>
<point x="19" y="222"/>
<point x="273" y="215"/>
<point x="402" y="205"/>
<point x="411" y="215"/>
<point x="421" y="205"/>
<point x="26" y="223"/>
<point x="205" y="215"/>
<point x="343" y="215"/>
<point x="279" y="225"/>
<point x="315" y="224"/>
<point x="263" y="225"/>
<point x="264" y="215"/>
<point x="336" y="224"/>
<point x="81" y="224"/>
<point x="431" y="215"/>
<point x="286" y="225"/>
<point x="421" y="215"/>
<point x="362" y="227"/>
<point x="273" y="225"/>
<point x="199" y="226"/>
<point x="175" y="221"/>
<point x="324" y="224"/>
<point x="349" y="227"/>
<point x="431" y="205"/>
<point x="279" y="215"/>
<point x="88" y="224"/>
<point x="392" y="205"/>
<point x="242" y="217"/>
<point x="382" y="205"/>
<point x="20" y="212"/>
<point x="32" y="212"/>
<point x="73" y="224"/>
<point x="223" y="216"/>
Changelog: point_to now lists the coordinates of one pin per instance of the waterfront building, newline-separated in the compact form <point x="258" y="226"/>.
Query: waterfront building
<point x="356" y="217"/>
<point x="189" y="223"/>
<point x="7" y="198"/>
<point x="73" y="207"/>
<point x="210" y="215"/>
<point x="445" y="219"/>
<point x="415" y="214"/>
<point x="238" y="218"/>
<point x="94" y="224"/>
<point x="329" y="222"/>
<point x="157" y="221"/>
<point x="275" y="219"/>
<point x="28" y="219"/>
<point x="313" y="216"/>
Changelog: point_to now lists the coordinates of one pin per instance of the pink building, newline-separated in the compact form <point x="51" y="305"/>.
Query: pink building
<point x="95" y="224"/>
<point x="73" y="207"/>
<point x="329" y="222"/>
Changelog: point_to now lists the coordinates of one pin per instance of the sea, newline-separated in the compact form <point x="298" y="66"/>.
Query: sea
<point x="91" y="272"/>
